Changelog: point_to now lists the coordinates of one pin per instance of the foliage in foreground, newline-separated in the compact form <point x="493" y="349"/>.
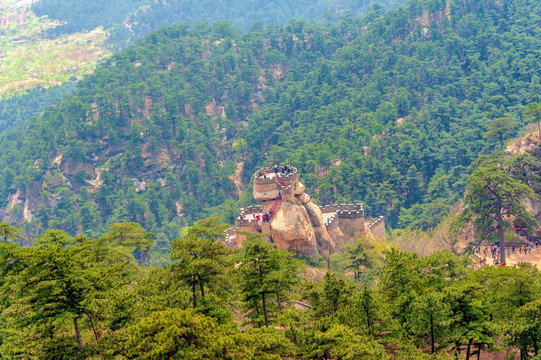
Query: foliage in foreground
<point x="75" y="298"/>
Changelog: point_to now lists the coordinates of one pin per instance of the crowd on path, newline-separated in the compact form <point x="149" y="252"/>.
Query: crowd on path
<point x="511" y="250"/>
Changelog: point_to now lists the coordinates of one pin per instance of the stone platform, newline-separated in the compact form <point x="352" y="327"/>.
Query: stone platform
<point x="288" y="217"/>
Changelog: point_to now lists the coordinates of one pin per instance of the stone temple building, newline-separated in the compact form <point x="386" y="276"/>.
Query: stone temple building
<point x="288" y="218"/>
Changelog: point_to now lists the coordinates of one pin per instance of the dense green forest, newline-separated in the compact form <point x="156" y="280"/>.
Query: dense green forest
<point x="129" y="20"/>
<point x="243" y="14"/>
<point x="16" y="110"/>
<point x="389" y="110"/>
<point x="97" y="298"/>
<point x="118" y="194"/>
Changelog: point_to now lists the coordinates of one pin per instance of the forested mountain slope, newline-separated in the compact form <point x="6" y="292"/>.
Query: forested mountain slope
<point x="47" y="43"/>
<point x="387" y="110"/>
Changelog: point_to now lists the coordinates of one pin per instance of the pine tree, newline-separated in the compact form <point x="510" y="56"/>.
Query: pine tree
<point x="266" y="274"/>
<point x="201" y="259"/>
<point x="491" y="194"/>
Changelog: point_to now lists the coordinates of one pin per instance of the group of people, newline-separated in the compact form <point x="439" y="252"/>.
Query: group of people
<point x="284" y="169"/>
<point x="264" y="217"/>
<point x="278" y="170"/>
<point x="495" y="251"/>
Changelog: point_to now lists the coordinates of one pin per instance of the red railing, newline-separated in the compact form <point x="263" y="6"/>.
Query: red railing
<point x="280" y="181"/>
<point x="275" y="205"/>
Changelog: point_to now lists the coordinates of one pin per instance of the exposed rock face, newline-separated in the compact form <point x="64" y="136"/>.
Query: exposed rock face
<point x="266" y="192"/>
<point x="531" y="143"/>
<point x="291" y="229"/>
<point x="534" y="207"/>
<point x="325" y="243"/>
<point x="297" y="224"/>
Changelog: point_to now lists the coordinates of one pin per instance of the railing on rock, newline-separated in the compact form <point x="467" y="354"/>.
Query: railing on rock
<point x="271" y="174"/>
<point x="280" y="182"/>
<point x="275" y="206"/>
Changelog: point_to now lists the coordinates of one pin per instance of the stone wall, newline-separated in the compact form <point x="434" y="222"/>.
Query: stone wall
<point x="350" y="214"/>
<point x="269" y="188"/>
<point x="343" y="207"/>
<point x="377" y="227"/>
<point x="230" y="239"/>
<point x="249" y="210"/>
<point x="289" y="178"/>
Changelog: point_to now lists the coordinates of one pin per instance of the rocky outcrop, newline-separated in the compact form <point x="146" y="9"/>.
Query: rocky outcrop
<point x="324" y="241"/>
<point x="297" y="224"/>
<point x="529" y="143"/>
<point x="533" y="206"/>
<point x="291" y="229"/>
<point x="292" y="221"/>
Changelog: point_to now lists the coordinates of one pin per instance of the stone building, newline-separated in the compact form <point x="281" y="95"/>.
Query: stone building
<point x="288" y="217"/>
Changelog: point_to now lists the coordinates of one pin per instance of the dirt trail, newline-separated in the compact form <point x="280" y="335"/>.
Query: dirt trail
<point x="534" y="257"/>
<point x="237" y="178"/>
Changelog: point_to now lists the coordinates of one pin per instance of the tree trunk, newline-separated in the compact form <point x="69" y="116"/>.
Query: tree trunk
<point x="93" y="328"/>
<point x="78" y="334"/>
<point x="141" y="258"/>
<point x="201" y="287"/>
<point x="501" y="235"/>
<point x="279" y="302"/>
<point x="368" y="322"/>
<point x="265" y="309"/>
<point x="432" y="337"/>
<point x="194" y="294"/>
<point x="479" y="352"/>
<point x="468" y="350"/>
